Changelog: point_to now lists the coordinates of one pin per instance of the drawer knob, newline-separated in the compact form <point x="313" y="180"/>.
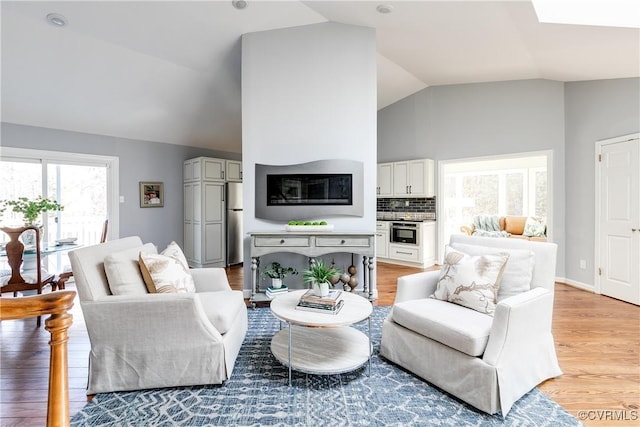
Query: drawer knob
<point x="282" y="241"/>
<point x="342" y="242"/>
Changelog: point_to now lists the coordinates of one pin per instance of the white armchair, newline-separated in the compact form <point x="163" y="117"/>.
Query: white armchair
<point x="489" y="362"/>
<point x="157" y="340"/>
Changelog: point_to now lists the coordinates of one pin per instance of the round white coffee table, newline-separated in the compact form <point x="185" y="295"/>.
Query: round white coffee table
<point x="321" y="343"/>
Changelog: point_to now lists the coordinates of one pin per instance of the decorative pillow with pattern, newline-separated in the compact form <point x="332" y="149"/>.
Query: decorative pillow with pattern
<point x="534" y="227"/>
<point x="471" y="281"/>
<point x="518" y="272"/>
<point x="166" y="272"/>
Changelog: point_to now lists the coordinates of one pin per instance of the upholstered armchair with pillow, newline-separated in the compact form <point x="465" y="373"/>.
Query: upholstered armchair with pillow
<point x="480" y="328"/>
<point x="180" y="327"/>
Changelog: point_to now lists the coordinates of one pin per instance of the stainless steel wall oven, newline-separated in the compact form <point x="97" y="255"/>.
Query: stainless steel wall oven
<point x="405" y="232"/>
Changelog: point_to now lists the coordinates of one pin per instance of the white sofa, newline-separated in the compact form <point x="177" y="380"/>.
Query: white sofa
<point x="157" y="340"/>
<point x="489" y="362"/>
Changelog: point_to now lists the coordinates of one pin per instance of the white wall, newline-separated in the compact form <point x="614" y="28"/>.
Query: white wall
<point x="309" y="93"/>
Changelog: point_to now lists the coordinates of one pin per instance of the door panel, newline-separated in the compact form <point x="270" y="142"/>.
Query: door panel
<point x="620" y="220"/>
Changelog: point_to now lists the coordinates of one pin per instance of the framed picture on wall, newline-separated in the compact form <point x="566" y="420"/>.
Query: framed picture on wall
<point x="151" y="195"/>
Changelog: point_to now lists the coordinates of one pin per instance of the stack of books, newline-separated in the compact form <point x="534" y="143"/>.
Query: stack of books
<point x="330" y="304"/>
<point x="271" y="293"/>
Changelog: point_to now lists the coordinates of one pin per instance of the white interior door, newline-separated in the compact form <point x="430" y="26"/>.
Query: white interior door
<point x="619" y="212"/>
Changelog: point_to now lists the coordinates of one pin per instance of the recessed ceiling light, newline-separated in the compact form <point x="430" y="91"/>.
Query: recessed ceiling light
<point x="57" y="19"/>
<point x="384" y="8"/>
<point x="239" y="4"/>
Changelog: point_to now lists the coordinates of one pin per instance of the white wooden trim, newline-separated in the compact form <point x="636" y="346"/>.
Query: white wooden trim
<point x="112" y="164"/>
<point x="597" y="199"/>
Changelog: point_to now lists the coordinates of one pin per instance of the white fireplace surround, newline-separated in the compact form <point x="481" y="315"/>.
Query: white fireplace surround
<point x="329" y="166"/>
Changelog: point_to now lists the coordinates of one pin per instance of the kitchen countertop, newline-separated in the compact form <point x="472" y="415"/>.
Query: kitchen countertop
<point x="405" y="216"/>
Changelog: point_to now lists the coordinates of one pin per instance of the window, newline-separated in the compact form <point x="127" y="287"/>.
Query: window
<point x="504" y="186"/>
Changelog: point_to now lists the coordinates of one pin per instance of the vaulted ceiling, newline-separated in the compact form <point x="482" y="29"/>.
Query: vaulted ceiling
<point x="169" y="71"/>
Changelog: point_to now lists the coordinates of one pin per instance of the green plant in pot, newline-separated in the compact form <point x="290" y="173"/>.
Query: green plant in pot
<point x="320" y="276"/>
<point x="31" y="210"/>
<point x="277" y="273"/>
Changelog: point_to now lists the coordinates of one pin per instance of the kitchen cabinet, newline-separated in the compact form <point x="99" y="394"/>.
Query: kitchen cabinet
<point x="422" y="255"/>
<point x="382" y="239"/>
<point x="413" y="178"/>
<point x="384" y="186"/>
<point x="204" y="168"/>
<point x="204" y="209"/>
<point x="233" y="170"/>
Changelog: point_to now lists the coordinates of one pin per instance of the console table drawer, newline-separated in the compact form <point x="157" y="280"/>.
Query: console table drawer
<point x="281" y="241"/>
<point x="347" y="241"/>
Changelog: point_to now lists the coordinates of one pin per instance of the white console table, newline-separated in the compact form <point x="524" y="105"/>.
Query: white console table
<point x="313" y="244"/>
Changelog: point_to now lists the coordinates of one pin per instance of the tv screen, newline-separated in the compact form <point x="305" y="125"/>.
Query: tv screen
<point x="309" y="189"/>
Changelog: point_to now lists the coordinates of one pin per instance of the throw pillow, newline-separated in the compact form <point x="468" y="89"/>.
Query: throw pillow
<point x="162" y="272"/>
<point x="471" y="281"/>
<point x="518" y="273"/>
<point x="123" y="273"/>
<point x="174" y="251"/>
<point x="534" y="227"/>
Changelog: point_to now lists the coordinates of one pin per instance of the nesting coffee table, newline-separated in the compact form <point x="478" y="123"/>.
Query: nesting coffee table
<point x="322" y="343"/>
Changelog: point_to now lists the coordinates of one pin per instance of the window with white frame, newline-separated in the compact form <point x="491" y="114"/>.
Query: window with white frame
<point x="506" y="186"/>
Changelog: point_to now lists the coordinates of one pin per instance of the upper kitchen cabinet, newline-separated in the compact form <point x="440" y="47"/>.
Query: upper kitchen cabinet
<point x="411" y="178"/>
<point x="205" y="168"/>
<point x="385" y="180"/>
<point x="234" y="171"/>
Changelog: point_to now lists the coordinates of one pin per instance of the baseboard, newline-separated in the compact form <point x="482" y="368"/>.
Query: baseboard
<point x="576" y="284"/>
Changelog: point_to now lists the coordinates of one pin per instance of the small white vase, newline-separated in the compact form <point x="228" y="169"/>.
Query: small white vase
<point x="276" y="283"/>
<point x="321" y="289"/>
<point x="29" y="238"/>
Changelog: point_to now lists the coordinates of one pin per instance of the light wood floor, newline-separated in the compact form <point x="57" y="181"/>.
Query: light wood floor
<point x="597" y="340"/>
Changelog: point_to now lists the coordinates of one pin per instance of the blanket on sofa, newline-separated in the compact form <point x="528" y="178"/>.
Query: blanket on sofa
<point x="488" y="226"/>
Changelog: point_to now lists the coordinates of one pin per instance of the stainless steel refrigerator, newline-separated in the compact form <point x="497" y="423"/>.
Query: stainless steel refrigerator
<point x="234" y="223"/>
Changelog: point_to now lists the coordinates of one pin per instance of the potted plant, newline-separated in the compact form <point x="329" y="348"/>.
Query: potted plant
<point x="320" y="276"/>
<point x="277" y="272"/>
<point x="31" y="210"/>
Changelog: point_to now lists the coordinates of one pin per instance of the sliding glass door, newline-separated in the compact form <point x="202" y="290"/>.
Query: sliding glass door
<point x="84" y="184"/>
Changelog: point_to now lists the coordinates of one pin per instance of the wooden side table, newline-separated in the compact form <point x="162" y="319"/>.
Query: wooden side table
<point x="322" y="343"/>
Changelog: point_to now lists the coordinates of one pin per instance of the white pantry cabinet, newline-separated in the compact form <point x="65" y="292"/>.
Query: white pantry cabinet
<point x="204" y="212"/>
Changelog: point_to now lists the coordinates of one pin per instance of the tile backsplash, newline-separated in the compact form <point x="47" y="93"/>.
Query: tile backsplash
<point x="406" y="205"/>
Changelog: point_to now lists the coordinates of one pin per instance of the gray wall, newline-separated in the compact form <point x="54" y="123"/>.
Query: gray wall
<point x="139" y="161"/>
<point x="595" y="110"/>
<point x="476" y="120"/>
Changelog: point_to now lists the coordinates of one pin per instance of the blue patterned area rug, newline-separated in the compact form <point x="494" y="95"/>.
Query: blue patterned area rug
<point x="258" y="394"/>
